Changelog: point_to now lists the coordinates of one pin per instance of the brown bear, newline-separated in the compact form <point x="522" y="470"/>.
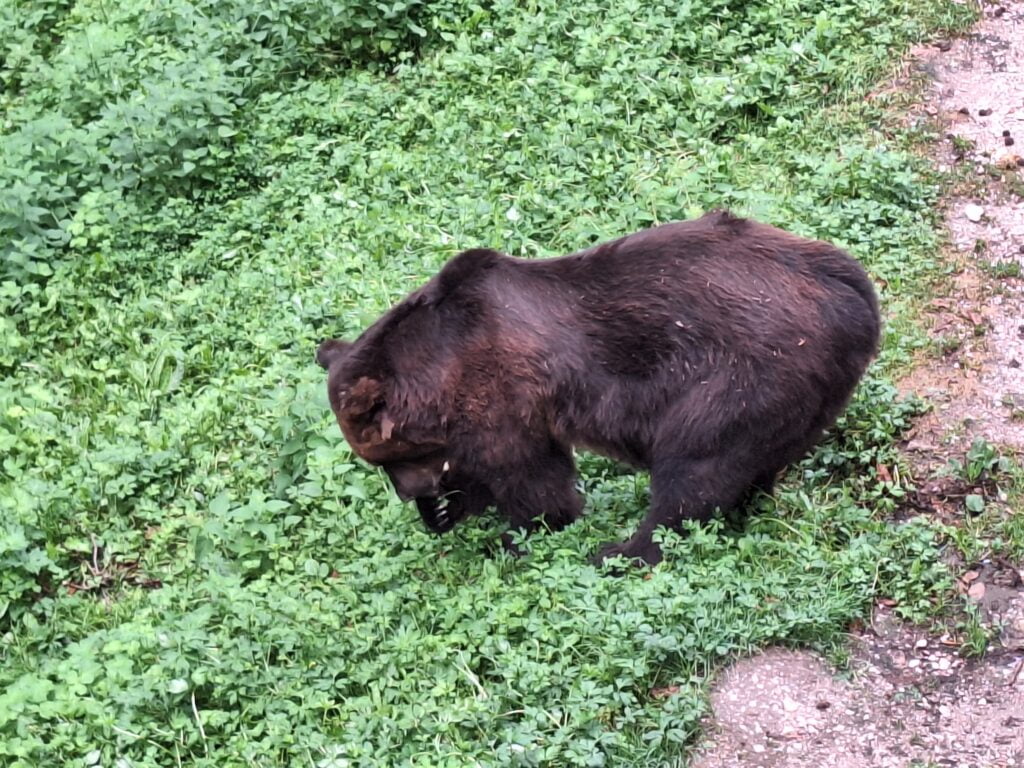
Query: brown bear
<point x="712" y="352"/>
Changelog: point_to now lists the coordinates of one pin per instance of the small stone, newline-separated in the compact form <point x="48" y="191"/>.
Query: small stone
<point x="922" y="643"/>
<point x="977" y="590"/>
<point x="1008" y="141"/>
<point x="964" y="111"/>
<point x="758" y="748"/>
<point x="914" y="663"/>
<point x="789" y="705"/>
<point x="944" y="663"/>
<point x="984" y="112"/>
<point x="974" y="212"/>
<point x="1006" y="133"/>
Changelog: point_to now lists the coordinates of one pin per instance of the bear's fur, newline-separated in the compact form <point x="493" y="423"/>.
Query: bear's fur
<point x="712" y="352"/>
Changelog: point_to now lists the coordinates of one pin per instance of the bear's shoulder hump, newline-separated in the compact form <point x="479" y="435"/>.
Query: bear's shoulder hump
<point x="466" y="268"/>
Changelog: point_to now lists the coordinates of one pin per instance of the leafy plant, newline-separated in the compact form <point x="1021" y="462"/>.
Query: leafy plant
<point x="975" y="633"/>
<point x="195" y="569"/>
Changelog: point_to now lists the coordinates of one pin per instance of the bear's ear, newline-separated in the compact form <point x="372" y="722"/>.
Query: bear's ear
<point x="364" y="399"/>
<point x="330" y="350"/>
<point x="379" y="433"/>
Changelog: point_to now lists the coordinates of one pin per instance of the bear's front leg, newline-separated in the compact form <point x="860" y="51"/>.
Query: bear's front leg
<point x="686" y="487"/>
<point x="542" y="486"/>
<point x="638" y="551"/>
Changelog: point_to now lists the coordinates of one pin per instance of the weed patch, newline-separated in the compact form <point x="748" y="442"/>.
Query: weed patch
<point x="194" y="569"/>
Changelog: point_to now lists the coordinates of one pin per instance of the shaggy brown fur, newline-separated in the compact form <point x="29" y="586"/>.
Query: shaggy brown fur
<point x="712" y="352"/>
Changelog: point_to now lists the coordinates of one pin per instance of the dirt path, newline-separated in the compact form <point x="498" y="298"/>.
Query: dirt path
<point x="977" y="94"/>
<point x="913" y="699"/>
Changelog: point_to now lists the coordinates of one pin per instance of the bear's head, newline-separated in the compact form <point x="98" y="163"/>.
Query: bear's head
<point x="375" y="421"/>
<point x="408" y="444"/>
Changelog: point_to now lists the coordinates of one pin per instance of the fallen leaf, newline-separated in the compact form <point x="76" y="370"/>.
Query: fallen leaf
<point x="970" y="576"/>
<point x="664" y="693"/>
<point x="1009" y="162"/>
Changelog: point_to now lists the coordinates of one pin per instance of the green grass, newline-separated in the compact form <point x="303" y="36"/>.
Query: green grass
<point x="193" y="568"/>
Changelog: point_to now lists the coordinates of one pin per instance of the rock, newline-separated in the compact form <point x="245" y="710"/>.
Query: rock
<point x="974" y="212"/>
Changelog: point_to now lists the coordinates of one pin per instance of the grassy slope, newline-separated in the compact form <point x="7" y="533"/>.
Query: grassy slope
<point x="160" y="408"/>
